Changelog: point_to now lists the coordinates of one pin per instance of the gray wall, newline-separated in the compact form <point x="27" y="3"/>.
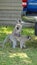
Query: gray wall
<point x="10" y="10"/>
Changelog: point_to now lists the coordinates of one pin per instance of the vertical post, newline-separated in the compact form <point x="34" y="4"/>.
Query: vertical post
<point x="36" y="28"/>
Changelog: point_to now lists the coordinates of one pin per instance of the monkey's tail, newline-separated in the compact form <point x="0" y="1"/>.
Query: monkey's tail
<point x="5" y="40"/>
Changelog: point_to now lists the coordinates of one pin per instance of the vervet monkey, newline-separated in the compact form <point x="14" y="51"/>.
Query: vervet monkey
<point x="16" y="35"/>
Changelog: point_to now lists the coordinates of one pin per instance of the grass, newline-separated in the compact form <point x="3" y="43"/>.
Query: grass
<point x="10" y="56"/>
<point x="28" y="31"/>
<point x="4" y="31"/>
<point x="18" y="56"/>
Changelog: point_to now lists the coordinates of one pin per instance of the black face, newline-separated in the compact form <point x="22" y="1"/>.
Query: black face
<point x="17" y="28"/>
<point x="28" y="37"/>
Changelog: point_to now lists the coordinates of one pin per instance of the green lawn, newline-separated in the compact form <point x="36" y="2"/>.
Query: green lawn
<point x="10" y="56"/>
<point x="18" y="56"/>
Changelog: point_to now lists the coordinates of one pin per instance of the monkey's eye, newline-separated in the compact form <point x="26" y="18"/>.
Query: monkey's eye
<point x="17" y="28"/>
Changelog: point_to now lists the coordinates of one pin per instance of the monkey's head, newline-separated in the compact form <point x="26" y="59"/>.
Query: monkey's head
<point x="20" y="22"/>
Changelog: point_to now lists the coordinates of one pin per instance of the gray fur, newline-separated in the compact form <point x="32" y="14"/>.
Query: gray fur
<point x="16" y="35"/>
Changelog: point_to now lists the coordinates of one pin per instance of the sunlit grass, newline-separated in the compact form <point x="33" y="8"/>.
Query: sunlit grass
<point x="4" y="31"/>
<point x="18" y="54"/>
<point x="28" y="31"/>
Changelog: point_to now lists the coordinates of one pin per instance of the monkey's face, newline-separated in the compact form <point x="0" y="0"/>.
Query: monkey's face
<point x="17" y="28"/>
<point x="29" y="37"/>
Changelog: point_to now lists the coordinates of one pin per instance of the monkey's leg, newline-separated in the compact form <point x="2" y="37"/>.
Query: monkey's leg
<point x="14" y="41"/>
<point x="21" y="44"/>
